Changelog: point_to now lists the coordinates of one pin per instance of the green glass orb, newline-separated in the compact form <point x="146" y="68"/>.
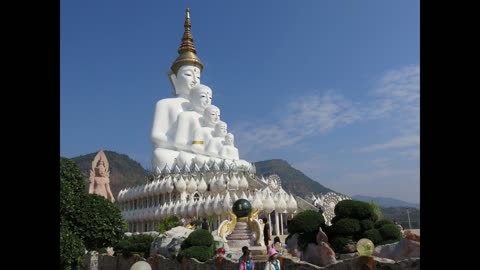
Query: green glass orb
<point x="241" y="208"/>
<point x="365" y="247"/>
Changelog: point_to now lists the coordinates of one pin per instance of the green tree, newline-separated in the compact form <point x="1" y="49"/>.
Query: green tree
<point x="71" y="186"/>
<point x="377" y="211"/>
<point x="168" y="223"/>
<point x="86" y="220"/>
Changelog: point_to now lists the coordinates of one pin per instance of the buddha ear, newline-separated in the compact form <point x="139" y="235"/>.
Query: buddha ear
<point x="173" y="80"/>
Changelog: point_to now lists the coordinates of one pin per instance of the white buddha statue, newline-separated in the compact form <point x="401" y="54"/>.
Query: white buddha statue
<point x="184" y="74"/>
<point x="216" y="142"/>
<point x="201" y="136"/>
<point x="229" y="151"/>
<point x="189" y="121"/>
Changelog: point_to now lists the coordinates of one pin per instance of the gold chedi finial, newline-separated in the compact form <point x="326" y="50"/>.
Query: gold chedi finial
<point x="187" y="52"/>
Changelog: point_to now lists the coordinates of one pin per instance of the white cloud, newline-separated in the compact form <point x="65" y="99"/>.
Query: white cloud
<point x="396" y="97"/>
<point x="399" y="142"/>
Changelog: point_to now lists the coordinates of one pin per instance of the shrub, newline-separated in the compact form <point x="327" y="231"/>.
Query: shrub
<point x="366" y="224"/>
<point x="382" y="222"/>
<point x="390" y="232"/>
<point x="306" y="221"/>
<point x="71" y="249"/>
<point x="306" y="238"/>
<point x="168" y="223"/>
<point x="354" y="209"/>
<point x="200" y="253"/>
<point x="99" y="222"/>
<point x="377" y="211"/>
<point x="198" y="237"/>
<point x="92" y="218"/>
<point x="346" y="227"/>
<point x="335" y="219"/>
<point x="197" y="222"/>
<point x="374" y="235"/>
<point x="139" y="243"/>
<point x="338" y="243"/>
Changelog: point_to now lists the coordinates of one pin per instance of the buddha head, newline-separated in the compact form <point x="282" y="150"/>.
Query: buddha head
<point x="211" y="116"/>
<point x="220" y="129"/>
<point x="229" y="139"/>
<point x="200" y="97"/>
<point x="186" y="77"/>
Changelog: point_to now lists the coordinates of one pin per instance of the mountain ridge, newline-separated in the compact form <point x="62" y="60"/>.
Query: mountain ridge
<point x="385" y="201"/>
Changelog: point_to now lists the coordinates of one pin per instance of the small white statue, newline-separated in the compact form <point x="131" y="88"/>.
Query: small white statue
<point x="216" y="142"/>
<point x="229" y="151"/>
<point x="202" y="135"/>
<point x="189" y="121"/>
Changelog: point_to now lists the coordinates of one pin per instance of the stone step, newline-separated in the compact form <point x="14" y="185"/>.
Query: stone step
<point x="239" y="237"/>
<point x="242" y="231"/>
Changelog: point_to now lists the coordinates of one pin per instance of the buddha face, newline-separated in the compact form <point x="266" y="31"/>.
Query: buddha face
<point x="186" y="78"/>
<point x="211" y="115"/>
<point x="200" y="97"/>
<point x="221" y="129"/>
<point x="229" y="139"/>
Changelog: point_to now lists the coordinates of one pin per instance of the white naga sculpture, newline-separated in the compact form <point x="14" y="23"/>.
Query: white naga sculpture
<point x="183" y="128"/>
<point x="100" y="177"/>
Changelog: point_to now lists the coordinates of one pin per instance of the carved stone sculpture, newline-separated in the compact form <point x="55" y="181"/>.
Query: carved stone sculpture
<point x="100" y="177"/>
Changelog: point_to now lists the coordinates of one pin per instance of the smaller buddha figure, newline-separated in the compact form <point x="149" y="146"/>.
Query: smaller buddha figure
<point x="189" y="121"/>
<point x="229" y="151"/>
<point x="216" y="142"/>
<point x="99" y="178"/>
<point x="202" y="135"/>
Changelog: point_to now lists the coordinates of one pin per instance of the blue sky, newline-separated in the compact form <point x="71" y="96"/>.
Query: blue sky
<point x="330" y="86"/>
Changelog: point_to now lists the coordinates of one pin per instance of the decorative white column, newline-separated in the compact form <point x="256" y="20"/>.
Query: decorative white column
<point x="277" y="232"/>
<point x="281" y="224"/>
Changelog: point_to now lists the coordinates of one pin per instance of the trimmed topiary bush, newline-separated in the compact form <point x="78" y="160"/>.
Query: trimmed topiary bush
<point x="354" y="209"/>
<point x="346" y="227"/>
<point x="139" y="243"/>
<point x="382" y="222"/>
<point x="200" y="253"/>
<point x="366" y="224"/>
<point x="374" y="235"/>
<point x="306" y="221"/>
<point x="306" y="238"/>
<point x="390" y="232"/>
<point x="199" y="237"/>
<point x="338" y="243"/>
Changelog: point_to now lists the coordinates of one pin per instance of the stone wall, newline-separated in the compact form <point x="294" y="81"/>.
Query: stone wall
<point x="104" y="262"/>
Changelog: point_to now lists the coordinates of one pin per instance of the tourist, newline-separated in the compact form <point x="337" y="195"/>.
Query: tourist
<point x="266" y="232"/>
<point x="273" y="263"/>
<point x="277" y="245"/>
<point x="205" y="224"/>
<point x="246" y="261"/>
<point x="244" y="250"/>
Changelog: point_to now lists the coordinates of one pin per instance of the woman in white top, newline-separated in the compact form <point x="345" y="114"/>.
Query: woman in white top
<point x="273" y="262"/>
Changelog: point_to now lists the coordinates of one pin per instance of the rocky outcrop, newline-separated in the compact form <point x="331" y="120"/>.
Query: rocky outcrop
<point x="404" y="249"/>
<point x="168" y="243"/>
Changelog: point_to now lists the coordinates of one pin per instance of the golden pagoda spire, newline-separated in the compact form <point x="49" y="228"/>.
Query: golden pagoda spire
<point x="187" y="52"/>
